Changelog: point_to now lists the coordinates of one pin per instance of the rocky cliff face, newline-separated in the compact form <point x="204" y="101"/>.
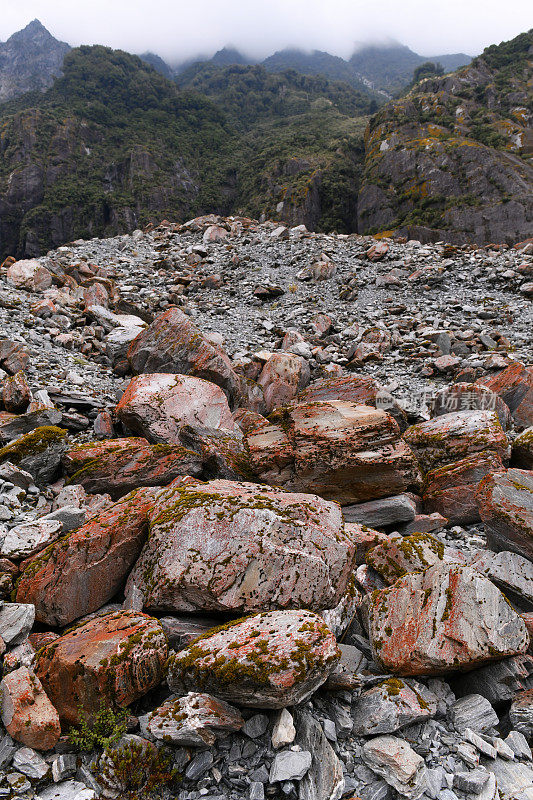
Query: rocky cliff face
<point x="30" y="60"/>
<point x="452" y="159"/>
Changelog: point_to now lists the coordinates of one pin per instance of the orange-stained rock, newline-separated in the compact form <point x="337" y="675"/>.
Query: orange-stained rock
<point x="109" y="661"/>
<point x="359" y="389"/>
<point x="13" y="357"/>
<point x="471" y="397"/>
<point x="157" y="406"/>
<point x="282" y="377"/>
<point x="454" y="436"/>
<point x="341" y="451"/>
<point x="84" y="569"/>
<point x="27" y="713"/>
<point x="375" y="342"/>
<point x="119" y="465"/>
<point x="269" y="660"/>
<point x="16" y="393"/>
<point x="400" y="555"/>
<point x="365" y="539"/>
<point x="515" y="386"/>
<point x="29" y="274"/>
<point x="528" y="619"/>
<point x="451" y="490"/>
<point x="505" y="502"/>
<point x="433" y="622"/>
<point x="241" y="548"/>
<point x="173" y="343"/>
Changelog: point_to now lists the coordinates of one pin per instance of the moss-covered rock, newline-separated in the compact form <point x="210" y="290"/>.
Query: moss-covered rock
<point x="38" y="452"/>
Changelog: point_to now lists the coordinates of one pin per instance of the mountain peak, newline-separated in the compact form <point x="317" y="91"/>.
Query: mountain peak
<point x="29" y="60"/>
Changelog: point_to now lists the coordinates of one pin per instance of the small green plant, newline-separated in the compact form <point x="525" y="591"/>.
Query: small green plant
<point x="101" y="732"/>
<point x="136" y="771"/>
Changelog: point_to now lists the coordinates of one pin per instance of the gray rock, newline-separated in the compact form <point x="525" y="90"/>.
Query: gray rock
<point x="30" y="763"/>
<point x="255" y="726"/>
<point x="64" y="766"/>
<point x="472" y="781"/>
<point x="379" y="513"/>
<point x="518" y="744"/>
<point x="398" y="764"/>
<point x="16" y="621"/>
<point x="70" y="517"/>
<point x="390" y="706"/>
<point x="324" y="781"/>
<point x="498" y="682"/>
<point x="510" y="571"/>
<point x="199" y="765"/>
<point x="521" y="713"/>
<point x="29" y="538"/>
<point x="473" y="711"/>
<point x="515" y="780"/>
<point x="289" y="765"/>
<point x="257" y="791"/>
<point x="479" y="743"/>
<point x="7" y="750"/>
<point x="67" y="790"/>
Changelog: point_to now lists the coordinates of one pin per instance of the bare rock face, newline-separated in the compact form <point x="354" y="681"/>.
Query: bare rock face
<point x="111" y="660"/>
<point x="241" y="548"/>
<point x="30" y="59"/>
<point x="157" y="406"/>
<point x="341" y="451"/>
<point x="27" y="713"/>
<point x="515" y="387"/>
<point x="173" y="344"/>
<point x="451" y="490"/>
<point x="118" y="466"/>
<point x="30" y="275"/>
<point x="400" y="555"/>
<point x="358" y="389"/>
<point x="270" y="660"/>
<point x="505" y="501"/>
<point x="282" y="377"/>
<point x="442" y="620"/>
<point x="449" y="438"/>
<point x="193" y="720"/>
<point x="84" y="569"/>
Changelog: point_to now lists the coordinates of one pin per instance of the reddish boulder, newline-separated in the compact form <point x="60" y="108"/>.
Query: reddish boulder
<point x="173" y="343"/>
<point x="341" y="451"/>
<point x="158" y="406"/>
<point x="505" y="502"/>
<point x="359" y="389"/>
<point x="108" y="661"/>
<point x="471" y="397"/>
<point x="241" y="548"/>
<point x="375" y="342"/>
<point x="119" y="465"/>
<point x="13" y="357"/>
<point x="432" y="622"/>
<point x="27" y="713"/>
<point x="15" y="393"/>
<point x="451" y="490"/>
<point x="84" y="569"/>
<point x="282" y="377"/>
<point x="30" y="275"/>
<point x="270" y="660"/>
<point x="449" y="438"/>
<point x="515" y="386"/>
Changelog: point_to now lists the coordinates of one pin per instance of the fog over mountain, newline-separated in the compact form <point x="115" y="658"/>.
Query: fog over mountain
<point x="179" y="30"/>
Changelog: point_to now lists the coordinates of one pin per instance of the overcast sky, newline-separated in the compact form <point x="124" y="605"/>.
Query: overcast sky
<point x="177" y="29"/>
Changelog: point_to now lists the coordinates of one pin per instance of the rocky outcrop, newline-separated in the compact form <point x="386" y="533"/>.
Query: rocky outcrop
<point x="29" y="60"/>
<point x="505" y="501"/>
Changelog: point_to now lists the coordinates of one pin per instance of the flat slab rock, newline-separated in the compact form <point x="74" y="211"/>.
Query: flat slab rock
<point x="26" y="712"/>
<point x="382" y="512"/>
<point x="446" y="439"/>
<point x="241" y="548"/>
<point x="511" y="572"/>
<point x="442" y="620"/>
<point x="270" y="660"/>
<point x="113" y="660"/>
<point x="505" y="501"/>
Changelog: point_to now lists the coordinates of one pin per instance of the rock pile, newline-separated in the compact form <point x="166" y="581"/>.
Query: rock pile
<point x="247" y="565"/>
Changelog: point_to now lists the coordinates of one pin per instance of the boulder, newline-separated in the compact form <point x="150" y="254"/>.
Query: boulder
<point x="433" y="622"/>
<point x="13" y="357"/>
<point x="270" y="660"/>
<point x="241" y="548"/>
<point x="505" y="502"/>
<point x="118" y="466"/>
<point x="172" y="343"/>
<point x="193" y="720"/>
<point x="28" y="538"/>
<point x="521" y="713"/>
<point x="340" y="451"/>
<point x="391" y="705"/>
<point x="522" y="455"/>
<point x="282" y="377"/>
<point x="449" y="438"/>
<point x="471" y="397"/>
<point x="499" y="681"/>
<point x="398" y="764"/>
<point x="30" y="275"/>
<point x="511" y="572"/>
<point x="514" y="779"/>
<point x="13" y="426"/>
<point x="27" y="713"/>
<point x="16" y="621"/>
<point x="473" y="711"/>
<point x="451" y="490"/>
<point x="358" y="389"/>
<point x="324" y="780"/>
<point x="85" y="568"/>
<point x="400" y="555"/>
<point x="108" y="661"/>
<point x="514" y="385"/>
<point x="383" y="512"/>
<point x="15" y="393"/>
<point x="158" y="406"/>
<point x="38" y="452"/>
